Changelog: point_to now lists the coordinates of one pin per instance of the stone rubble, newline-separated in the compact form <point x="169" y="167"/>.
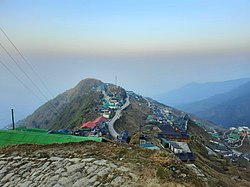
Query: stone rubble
<point x="62" y="172"/>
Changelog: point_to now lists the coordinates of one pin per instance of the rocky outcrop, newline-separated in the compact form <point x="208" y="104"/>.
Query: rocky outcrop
<point x="58" y="172"/>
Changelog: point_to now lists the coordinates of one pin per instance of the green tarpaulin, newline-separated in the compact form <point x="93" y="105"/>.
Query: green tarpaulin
<point x="10" y="137"/>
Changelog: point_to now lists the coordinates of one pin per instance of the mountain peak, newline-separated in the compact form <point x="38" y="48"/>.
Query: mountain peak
<point x="90" y="81"/>
<point x="87" y="84"/>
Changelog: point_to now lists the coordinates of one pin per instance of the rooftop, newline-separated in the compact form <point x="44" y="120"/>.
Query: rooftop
<point x="150" y="146"/>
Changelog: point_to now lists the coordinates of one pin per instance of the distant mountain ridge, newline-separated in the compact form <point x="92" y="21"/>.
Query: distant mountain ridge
<point x="228" y="109"/>
<point x="198" y="91"/>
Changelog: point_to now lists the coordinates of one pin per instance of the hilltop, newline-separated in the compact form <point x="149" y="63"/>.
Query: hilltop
<point x="71" y="108"/>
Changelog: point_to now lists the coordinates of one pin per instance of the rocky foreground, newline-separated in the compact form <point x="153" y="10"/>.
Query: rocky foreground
<point x="58" y="172"/>
<point x="90" y="164"/>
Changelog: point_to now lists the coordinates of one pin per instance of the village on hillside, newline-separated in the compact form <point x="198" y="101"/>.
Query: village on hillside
<point x="162" y="129"/>
<point x="228" y="142"/>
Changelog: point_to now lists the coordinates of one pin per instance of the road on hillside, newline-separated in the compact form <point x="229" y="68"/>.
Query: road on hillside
<point x="118" y="114"/>
<point x="149" y="104"/>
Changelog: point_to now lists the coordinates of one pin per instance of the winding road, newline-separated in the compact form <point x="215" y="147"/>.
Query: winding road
<point x="149" y="104"/>
<point x="118" y="114"/>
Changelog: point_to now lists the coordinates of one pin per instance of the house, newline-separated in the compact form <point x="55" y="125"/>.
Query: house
<point x="113" y="100"/>
<point x="89" y="125"/>
<point x="215" y="135"/>
<point x="106" y="113"/>
<point x="151" y="119"/>
<point x="234" y="136"/>
<point x="232" y="128"/>
<point x="244" y="160"/>
<point x="175" y="148"/>
<point x="165" y="143"/>
<point x="149" y="146"/>
<point x="185" y="157"/>
<point x="184" y="146"/>
<point x="142" y="140"/>
<point x="112" y="106"/>
<point x="217" y="147"/>
<point x="123" y="137"/>
<point x="169" y="133"/>
<point x="100" y="120"/>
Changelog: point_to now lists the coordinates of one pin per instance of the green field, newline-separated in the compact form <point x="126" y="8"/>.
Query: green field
<point x="10" y="137"/>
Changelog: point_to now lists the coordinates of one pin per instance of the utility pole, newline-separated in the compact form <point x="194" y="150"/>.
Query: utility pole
<point x="116" y="81"/>
<point x="140" y="126"/>
<point x="13" y="120"/>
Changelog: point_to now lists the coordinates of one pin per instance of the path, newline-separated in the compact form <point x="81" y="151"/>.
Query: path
<point x="118" y="114"/>
<point x="149" y="104"/>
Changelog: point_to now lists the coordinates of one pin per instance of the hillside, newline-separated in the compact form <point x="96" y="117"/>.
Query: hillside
<point x="219" y="170"/>
<point x="198" y="91"/>
<point x="228" y="109"/>
<point x="69" y="109"/>
<point x="133" y="116"/>
<point x="124" y="164"/>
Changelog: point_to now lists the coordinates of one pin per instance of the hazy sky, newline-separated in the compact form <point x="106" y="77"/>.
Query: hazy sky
<point x="152" y="46"/>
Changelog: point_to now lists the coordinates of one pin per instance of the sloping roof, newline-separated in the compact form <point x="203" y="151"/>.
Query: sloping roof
<point x="247" y="156"/>
<point x="186" y="156"/>
<point x="99" y="120"/>
<point x="170" y="132"/>
<point x="175" y="145"/>
<point x="234" y="136"/>
<point x="89" y="125"/>
<point x="215" y="135"/>
<point x="150" y="146"/>
<point x="149" y="117"/>
<point x="165" y="140"/>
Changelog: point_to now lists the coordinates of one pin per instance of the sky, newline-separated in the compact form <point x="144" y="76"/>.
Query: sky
<point x="152" y="46"/>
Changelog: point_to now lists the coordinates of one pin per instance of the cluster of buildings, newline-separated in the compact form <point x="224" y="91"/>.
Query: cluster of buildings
<point x="172" y="133"/>
<point x="224" y="144"/>
<point x="97" y="127"/>
<point x="176" y="140"/>
<point x="216" y="148"/>
<point x="235" y="136"/>
<point x="111" y="102"/>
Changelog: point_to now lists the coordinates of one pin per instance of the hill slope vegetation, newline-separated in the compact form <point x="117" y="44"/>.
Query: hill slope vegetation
<point x="69" y="109"/>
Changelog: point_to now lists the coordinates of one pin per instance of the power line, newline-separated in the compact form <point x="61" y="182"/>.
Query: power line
<point x="26" y="61"/>
<point x="19" y="80"/>
<point x="20" y="68"/>
<point x="31" y="68"/>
